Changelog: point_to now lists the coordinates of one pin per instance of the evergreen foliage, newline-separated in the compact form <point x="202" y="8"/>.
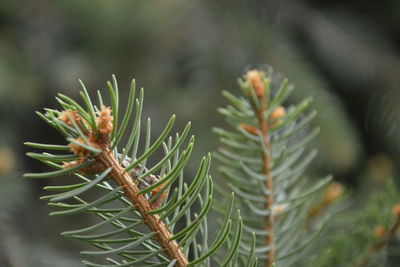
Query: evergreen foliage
<point x="145" y="214"/>
<point x="363" y="238"/>
<point x="263" y="161"/>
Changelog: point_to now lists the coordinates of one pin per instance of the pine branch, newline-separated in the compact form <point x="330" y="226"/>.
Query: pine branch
<point x="156" y="197"/>
<point x="378" y="246"/>
<point x="100" y="135"/>
<point x="365" y="245"/>
<point x="263" y="162"/>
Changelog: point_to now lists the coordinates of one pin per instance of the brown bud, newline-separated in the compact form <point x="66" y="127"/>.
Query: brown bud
<point x="396" y="210"/>
<point x="67" y="115"/>
<point x="249" y="128"/>
<point x="254" y="80"/>
<point x="278" y="113"/>
<point x="78" y="150"/>
<point x="157" y="203"/>
<point x="104" y="120"/>
<point x="379" y="231"/>
<point x="333" y="192"/>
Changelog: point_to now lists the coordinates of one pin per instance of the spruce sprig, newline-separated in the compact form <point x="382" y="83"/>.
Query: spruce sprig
<point x="263" y="160"/>
<point x="129" y="193"/>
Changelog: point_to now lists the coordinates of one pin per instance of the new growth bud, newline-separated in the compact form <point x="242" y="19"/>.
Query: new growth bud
<point x="396" y="210"/>
<point x="379" y="231"/>
<point x="77" y="149"/>
<point x="66" y="116"/>
<point x="104" y="125"/>
<point x="157" y="203"/>
<point x="278" y="113"/>
<point x="104" y="120"/>
<point x="333" y="192"/>
<point x="254" y="82"/>
<point x="249" y="128"/>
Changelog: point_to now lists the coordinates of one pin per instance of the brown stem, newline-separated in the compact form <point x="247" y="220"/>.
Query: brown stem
<point x="379" y="245"/>
<point x="266" y="169"/>
<point x="142" y="205"/>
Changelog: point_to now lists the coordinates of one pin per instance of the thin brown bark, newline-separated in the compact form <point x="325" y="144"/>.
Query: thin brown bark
<point x="266" y="169"/>
<point x="379" y="245"/>
<point x="142" y="205"/>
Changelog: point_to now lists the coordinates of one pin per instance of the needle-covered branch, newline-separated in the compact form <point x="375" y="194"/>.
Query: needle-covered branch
<point x="132" y="194"/>
<point x="263" y="161"/>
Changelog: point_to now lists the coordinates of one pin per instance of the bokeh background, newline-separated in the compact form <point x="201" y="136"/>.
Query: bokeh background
<point x="343" y="53"/>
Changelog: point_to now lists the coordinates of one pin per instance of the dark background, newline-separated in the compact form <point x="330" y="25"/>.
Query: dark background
<point x="343" y="53"/>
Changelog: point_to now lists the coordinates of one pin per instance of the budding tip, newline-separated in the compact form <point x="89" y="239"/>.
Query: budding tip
<point x="249" y="128"/>
<point x="278" y="113"/>
<point x="396" y="210"/>
<point x="254" y="81"/>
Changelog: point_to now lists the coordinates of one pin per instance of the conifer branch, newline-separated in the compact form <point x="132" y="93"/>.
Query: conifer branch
<point x="104" y="160"/>
<point x="263" y="163"/>
<point x="138" y="195"/>
<point x="378" y="246"/>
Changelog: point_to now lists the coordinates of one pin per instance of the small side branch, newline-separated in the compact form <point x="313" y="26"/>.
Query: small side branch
<point x="379" y="245"/>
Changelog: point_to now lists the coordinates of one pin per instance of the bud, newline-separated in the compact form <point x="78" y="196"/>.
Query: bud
<point x="333" y="192"/>
<point x="379" y="231"/>
<point x="157" y="203"/>
<point x="67" y="115"/>
<point x="104" y="120"/>
<point x="77" y="149"/>
<point x="396" y="210"/>
<point x="254" y="80"/>
<point x="249" y="128"/>
<point x="278" y="113"/>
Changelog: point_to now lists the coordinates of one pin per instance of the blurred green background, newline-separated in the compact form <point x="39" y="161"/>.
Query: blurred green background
<point x="343" y="53"/>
